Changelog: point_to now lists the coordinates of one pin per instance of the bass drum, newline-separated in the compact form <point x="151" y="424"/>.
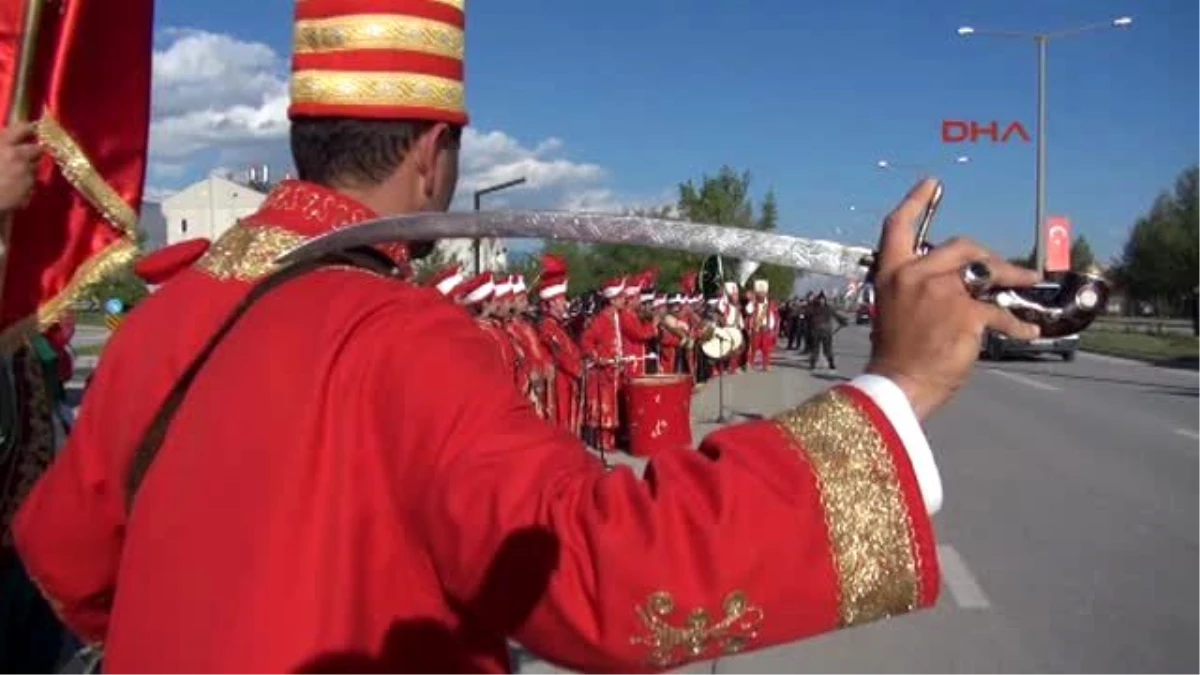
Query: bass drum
<point x="659" y="413"/>
<point x="725" y="341"/>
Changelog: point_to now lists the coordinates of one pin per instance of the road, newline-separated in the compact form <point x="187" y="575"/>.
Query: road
<point x="1068" y="538"/>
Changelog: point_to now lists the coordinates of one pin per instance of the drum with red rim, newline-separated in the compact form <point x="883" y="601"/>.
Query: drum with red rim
<point x="659" y="413"/>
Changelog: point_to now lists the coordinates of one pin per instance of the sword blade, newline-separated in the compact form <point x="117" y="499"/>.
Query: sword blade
<point x="818" y="256"/>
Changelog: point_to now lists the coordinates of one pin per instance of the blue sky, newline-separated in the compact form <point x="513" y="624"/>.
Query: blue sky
<point x="809" y="96"/>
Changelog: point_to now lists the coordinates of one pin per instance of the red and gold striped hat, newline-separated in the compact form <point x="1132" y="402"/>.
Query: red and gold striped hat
<point x="379" y="59"/>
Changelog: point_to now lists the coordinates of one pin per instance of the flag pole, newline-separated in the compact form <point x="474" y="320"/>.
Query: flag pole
<point x="18" y="107"/>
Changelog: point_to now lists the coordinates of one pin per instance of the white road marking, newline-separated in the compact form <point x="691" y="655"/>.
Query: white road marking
<point x="1029" y="382"/>
<point x="1116" y="360"/>
<point x="959" y="580"/>
<point x="1188" y="433"/>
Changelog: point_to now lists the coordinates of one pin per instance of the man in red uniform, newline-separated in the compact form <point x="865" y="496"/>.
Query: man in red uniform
<point x="568" y="359"/>
<point x="500" y="309"/>
<point x="638" y="327"/>
<point x="447" y="280"/>
<point x="477" y="295"/>
<point x="675" y="336"/>
<point x="370" y="494"/>
<point x="604" y="347"/>
<point x="690" y="314"/>
<point x="762" y="324"/>
<point x="730" y="315"/>
<point x="539" y="368"/>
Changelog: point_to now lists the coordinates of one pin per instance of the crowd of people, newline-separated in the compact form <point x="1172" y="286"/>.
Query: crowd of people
<point x="808" y="326"/>
<point x="573" y="359"/>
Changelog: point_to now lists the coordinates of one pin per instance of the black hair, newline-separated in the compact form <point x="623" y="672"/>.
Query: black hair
<point x="335" y="151"/>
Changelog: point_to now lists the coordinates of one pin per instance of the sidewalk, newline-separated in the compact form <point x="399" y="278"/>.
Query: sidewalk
<point x="747" y="396"/>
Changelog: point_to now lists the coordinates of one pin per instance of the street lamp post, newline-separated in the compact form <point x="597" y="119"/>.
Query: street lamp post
<point x="1042" y="41"/>
<point x="477" y="244"/>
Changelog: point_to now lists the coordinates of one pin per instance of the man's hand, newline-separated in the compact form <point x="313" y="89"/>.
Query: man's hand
<point x="929" y="329"/>
<point x="19" y="154"/>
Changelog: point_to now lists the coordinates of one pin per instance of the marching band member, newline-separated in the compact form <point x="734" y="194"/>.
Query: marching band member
<point x="604" y="347"/>
<point x="730" y="314"/>
<point x="539" y="364"/>
<point x="400" y="507"/>
<point x="503" y="308"/>
<point x="689" y="313"/>
<point x="447" y="280"/>
<point x="638" y="328"/>
<point x="478" y="296"/>
<point x="762" y="318"/>
<point x="568" y="358"/>
<point x="675" y="337"/>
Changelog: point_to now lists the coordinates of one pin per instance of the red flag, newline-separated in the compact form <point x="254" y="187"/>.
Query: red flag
<point x="1058" y="244"/>
<point x="89" y="89"/>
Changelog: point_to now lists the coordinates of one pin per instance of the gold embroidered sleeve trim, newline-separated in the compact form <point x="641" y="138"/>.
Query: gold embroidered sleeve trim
<point x="119" y="254"/>
<point x="378" y="31"/>
<point x="79" y="172"/>
<point x="671" y="645"/>
<point x="247" y="252"/>
<point x="870" y="528"/>
<point x="362" y="88"/>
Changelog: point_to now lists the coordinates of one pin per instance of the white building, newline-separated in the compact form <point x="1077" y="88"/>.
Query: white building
<point x="208" y="208"/>
<point x="154" y="224"/>
<point x="493" y="254"/>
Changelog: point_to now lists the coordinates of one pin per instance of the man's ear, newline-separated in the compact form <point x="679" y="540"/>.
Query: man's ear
<point x="425" y="152"/>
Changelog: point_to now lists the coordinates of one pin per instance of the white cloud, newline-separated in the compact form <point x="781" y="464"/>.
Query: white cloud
<point x="222" y="100"/>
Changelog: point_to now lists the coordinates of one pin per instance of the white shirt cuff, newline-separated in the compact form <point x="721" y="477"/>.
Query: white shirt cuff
<point x="895" y="406"/>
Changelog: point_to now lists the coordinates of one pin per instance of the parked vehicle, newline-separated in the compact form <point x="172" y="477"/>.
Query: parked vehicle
<point x="862" y="316"/>
<point x="997" y="346"/>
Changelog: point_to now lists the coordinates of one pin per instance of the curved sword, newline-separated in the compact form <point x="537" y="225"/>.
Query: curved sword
<point x="818" y="256"/>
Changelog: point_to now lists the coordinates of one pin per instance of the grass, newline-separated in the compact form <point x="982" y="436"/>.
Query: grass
<point x="1141" y="346"/>
<point x="90" y="319"/>
<point x="90" y="350"/>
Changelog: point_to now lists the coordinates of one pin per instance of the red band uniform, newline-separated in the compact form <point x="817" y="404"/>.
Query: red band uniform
<point x="675" y="336"/>
<point x="370" y="494"/>
<point x="731" y="316"/>
<point x="689" y="313"/>
<point x="538" y="375"/>
<point x="481" y="297"/>
<point x="762" y="322"/>
<point x="604" y="346"/>
<point x="636" y="333"/>
<point x="567" y="356"/>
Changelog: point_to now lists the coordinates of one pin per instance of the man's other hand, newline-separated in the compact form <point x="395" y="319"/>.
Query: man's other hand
<point x="929" y="329"/>
<point x="19" y="154"/>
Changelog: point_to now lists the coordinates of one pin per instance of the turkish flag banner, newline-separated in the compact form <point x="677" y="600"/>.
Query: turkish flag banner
<point x="1058" y="244"/>
<point x="89" y="92"/>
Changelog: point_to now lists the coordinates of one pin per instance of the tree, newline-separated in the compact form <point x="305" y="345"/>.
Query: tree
<point x="1081" y="255"/>
<point x="425" y="268"/>
<point x="768" y="213"/>
<point x="723" y="199"/>
<point x="1159" y="263"/>
<point x="122" y="284"/>
<point x="527" y="265"/>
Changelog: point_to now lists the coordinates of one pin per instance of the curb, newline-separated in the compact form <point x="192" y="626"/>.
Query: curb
<point x="1130" y="361"/>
